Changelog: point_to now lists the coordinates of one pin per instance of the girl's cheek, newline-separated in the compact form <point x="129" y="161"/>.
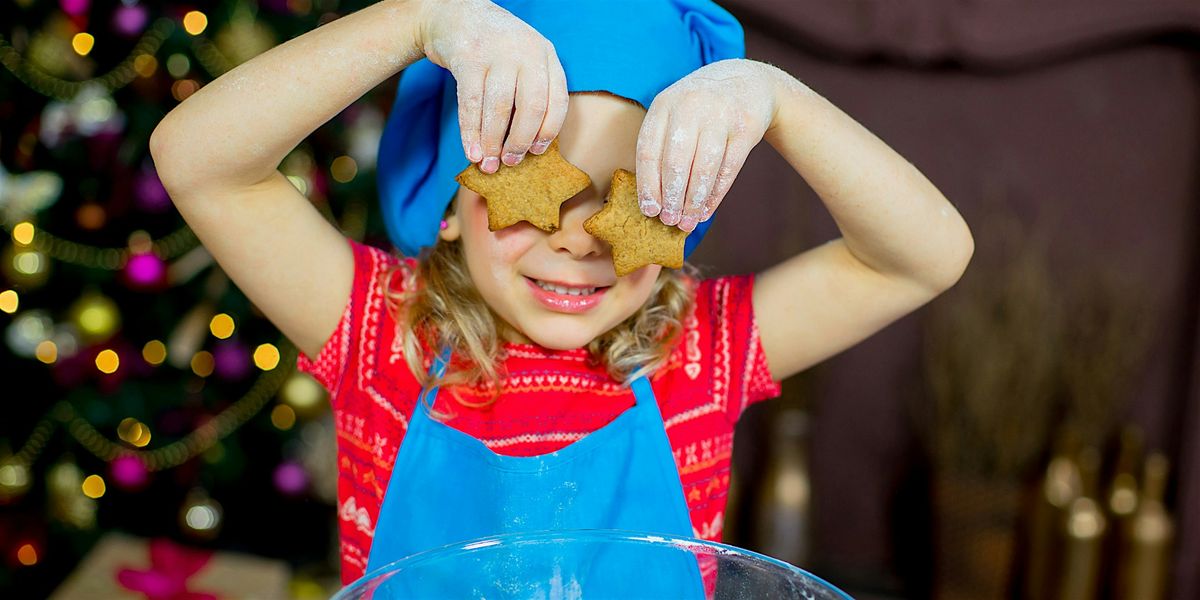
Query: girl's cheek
<point x="643" y="280"/>
<point x="510" y="243"/>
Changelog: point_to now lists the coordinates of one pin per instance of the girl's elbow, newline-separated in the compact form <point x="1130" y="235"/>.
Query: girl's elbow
<point x="161" y="144"/>
<point x="958" y="257"/>
<point x="168" y="150"/>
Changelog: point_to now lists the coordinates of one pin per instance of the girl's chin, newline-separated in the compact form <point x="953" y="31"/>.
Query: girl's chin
<point x="562" y="337"/>
<point x="559" y="342"/>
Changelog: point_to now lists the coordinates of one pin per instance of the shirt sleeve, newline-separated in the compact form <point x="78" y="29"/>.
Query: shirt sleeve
<point x="740" y="373"/>
<point x="362" y="320"/>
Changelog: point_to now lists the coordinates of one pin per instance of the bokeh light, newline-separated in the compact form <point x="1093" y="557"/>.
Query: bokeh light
<point x="178" y="65"/>
<point x="145" y="65"/>
<point x="91" y="216"/>
<point x="108" y="361"/>
<point x="202" y="363"/>
<point x="195" y="22"/>
<point x="283" y="417"/>
<point x="27" y="555"/>
<point x="154" y="352"/>
<point x="9" y="301"/>
<point x="343" y="169"/>
<point x="96" y="316"/>
<point x="46" y="351"/>
<point x="266" y="357"/>
<point x="221" y="326"/>
<point x="29" y="262"/>
<point x="22" y="233"/>
<point x="82" y="43"/>
<point x="145" y="271"/>
<point x="183" y="88"/>
<point x="93" y="486"/>
<point x="134" y="431"/>
<point x="129" y="472"/>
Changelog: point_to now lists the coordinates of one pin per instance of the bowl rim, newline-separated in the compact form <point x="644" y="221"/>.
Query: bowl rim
<point x="541" y="536"/>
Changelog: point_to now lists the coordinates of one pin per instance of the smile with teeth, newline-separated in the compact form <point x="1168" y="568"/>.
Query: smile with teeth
<point x="558" y="297"/>
<point x="560" y="289"/>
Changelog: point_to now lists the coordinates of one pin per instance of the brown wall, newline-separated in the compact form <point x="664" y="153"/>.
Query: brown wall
<point x="1080" y="117"/>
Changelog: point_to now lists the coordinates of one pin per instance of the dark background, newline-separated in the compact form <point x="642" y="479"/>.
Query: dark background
<point x="1080" y="117"/>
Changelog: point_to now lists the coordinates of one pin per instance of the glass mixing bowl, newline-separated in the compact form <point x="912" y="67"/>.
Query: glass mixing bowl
<point x="586" y="564"/>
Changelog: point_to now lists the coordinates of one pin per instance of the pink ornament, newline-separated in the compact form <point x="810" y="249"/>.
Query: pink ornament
<point x="290" y="478"/>
<point x="231" y="360"/>
<point x="149" y="192"/>
<point x="145" y="271"/>
<point x="129" y="472"/>
<point x="129" y="20"/>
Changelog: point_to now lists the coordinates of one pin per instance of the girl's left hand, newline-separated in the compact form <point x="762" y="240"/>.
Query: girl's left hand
<point x="697" y="135"/>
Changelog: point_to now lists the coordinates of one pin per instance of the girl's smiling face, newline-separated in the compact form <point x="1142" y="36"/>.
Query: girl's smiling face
<point x="559" y="290"/>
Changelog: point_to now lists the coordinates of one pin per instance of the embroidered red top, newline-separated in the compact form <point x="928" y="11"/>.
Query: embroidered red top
<point x="549" y="398"/>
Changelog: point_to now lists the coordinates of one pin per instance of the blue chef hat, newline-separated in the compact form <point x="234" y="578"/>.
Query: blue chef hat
<point x="630" y="48"/>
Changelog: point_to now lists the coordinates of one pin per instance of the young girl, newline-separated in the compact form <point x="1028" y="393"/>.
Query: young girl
<point x="571" y="398"/>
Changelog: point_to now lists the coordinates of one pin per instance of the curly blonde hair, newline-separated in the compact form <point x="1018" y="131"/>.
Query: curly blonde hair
<point x="439" y="307"/>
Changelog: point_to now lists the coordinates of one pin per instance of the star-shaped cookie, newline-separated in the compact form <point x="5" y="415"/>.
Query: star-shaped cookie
<point x="533" y="190"/>
<point x="636" y="240"/>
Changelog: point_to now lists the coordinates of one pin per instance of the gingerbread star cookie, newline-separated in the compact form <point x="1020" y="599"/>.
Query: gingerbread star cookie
<point x="530" y="191"/>
<point x="636" y="240"/>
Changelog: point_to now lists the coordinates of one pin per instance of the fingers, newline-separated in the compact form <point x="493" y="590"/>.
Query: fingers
<point x="736" y="152"/>
<point x="470" y="111"/>
<point x="651" y="140"/>
<point x="556" y="106"/>
<point x="683" y="175"/>
<point x="678" y="155"/>
<point x="710" y="149"/>
<point x="528" y="114"/>
<point x="499" y="93"/>
<point x="509" y="110"/>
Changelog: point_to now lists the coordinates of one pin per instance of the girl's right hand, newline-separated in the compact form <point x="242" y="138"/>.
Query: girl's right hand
<point x="506" y="72"/>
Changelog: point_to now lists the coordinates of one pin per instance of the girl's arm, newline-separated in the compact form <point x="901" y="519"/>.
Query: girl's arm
<point x="902" y="242"/>
<point x="218" y="151"/>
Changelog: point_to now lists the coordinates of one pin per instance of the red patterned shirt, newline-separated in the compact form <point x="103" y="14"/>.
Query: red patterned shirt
<point x="549" y="398"/>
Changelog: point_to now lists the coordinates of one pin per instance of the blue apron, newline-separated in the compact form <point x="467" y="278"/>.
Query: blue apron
<point x="447" y="486"/>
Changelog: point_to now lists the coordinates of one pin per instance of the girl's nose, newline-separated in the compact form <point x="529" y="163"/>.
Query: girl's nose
<point x="571" y="237"/>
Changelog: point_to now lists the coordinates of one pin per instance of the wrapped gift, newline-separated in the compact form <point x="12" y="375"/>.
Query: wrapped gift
<point x="122" y="567"/>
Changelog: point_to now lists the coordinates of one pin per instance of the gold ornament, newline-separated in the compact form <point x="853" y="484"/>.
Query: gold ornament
<point x="68" y="504"/>
<point x="24" y="266"/>
<point x="301" y="392"/>
<point x="50" y="50"/>
<point x="95" y="316"/>
<point x="14" y="479"/>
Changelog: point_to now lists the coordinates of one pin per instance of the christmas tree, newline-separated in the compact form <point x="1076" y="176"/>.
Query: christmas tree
<point x="143" y="394"/>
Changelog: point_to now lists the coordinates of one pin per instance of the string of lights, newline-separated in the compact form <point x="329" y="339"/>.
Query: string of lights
<point x="168" y="247"/>
<point x="176" y="453"/>
<point x="207" y="54"/>
<point x="63" y="89"/>
<point x="210" y="57"/>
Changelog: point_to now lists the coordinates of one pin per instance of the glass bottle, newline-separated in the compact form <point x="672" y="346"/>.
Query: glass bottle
<point x="1145" y="554"/>
<point x="782" y="519"/>
<point x="1084" y="534"/>
<point x="1060" y="485"/>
